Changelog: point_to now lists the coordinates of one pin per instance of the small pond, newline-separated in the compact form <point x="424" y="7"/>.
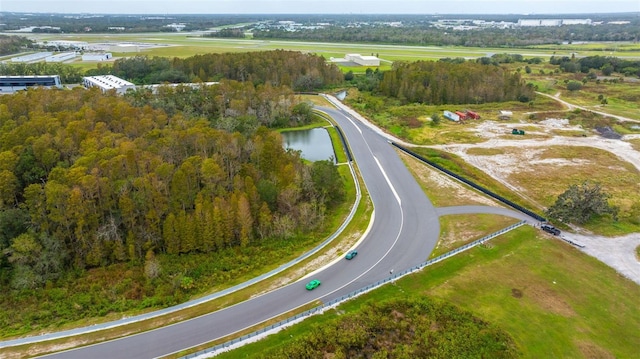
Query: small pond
<point x="314" y="144"/>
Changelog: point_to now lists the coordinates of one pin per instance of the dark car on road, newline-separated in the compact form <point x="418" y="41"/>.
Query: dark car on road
<point x="550" y="229"/>
<point x="351" y="254"/>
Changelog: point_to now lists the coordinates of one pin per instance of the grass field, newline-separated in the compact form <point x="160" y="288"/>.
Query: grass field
<point x="185" y="44"/>
<point x="555" y="301"/>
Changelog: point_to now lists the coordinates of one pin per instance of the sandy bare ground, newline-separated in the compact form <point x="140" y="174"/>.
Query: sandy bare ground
<point x="618" y="252"/>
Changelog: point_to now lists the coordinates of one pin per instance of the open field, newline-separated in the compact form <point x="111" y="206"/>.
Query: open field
<point x="189" y="44"/>
<point x="552" y="299"/>
<point x="541" y="168"/>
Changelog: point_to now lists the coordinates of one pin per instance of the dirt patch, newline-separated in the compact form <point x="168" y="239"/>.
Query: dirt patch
<point x="516" y="293"/>
<point x="592" y="351"/>
<point x="548" y="300"/>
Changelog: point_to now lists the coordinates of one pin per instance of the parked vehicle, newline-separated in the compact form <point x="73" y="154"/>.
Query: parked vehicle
<point x="451" y="116"/>
<point x="351" y="254"/>
<point x="550" y="229"/>
<point x="473" y="115"/>
<point x="515" y="131"/>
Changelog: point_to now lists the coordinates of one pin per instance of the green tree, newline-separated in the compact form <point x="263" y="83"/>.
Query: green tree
<point x="349" y="76"/>
<point x="579" y="204"/>
<point x="327" y="182"/>
<point x="574" y="85"/>
<point x="435" y="119"/>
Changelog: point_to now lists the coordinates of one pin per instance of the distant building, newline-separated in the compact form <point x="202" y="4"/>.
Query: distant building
<point x="41" y="28"/>
<point x="76" y="45"/>
<point x="154" y="88"/>
<point x="32" y="57"/>
<point x="97" y="56"/>
<point x="107" y="83"/>
<point x="552" y="22"/>
<point x="177" y="27"/>
<point x="11" y="84"/>
<point x="61" y="57"/>
<point x="363" y="60"/>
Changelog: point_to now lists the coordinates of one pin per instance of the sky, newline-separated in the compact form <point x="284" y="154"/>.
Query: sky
<point x="321" y="6"/>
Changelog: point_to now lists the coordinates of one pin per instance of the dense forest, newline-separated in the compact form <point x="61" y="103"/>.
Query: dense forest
<point x="401" y="328"/>
<point x="302" y="72"/>
<point x="425" y="34"/>
<point x="443" y="82"/>
<point x="229" y="105"/>
<point x="13" y="44"/>
<point x="607" y="64"/>
<point x="88" y="179"/>
<point x="111" y="23"/>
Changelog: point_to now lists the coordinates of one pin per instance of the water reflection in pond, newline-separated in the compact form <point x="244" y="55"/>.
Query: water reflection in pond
<point x="314" y="144"/>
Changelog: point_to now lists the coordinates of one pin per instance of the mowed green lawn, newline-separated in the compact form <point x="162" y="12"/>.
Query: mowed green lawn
<point x="555" y="301"/>
<point x="186" y="44"/>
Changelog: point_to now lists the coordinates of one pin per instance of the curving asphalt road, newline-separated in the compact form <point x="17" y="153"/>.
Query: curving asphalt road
<point x="404" y="233"/>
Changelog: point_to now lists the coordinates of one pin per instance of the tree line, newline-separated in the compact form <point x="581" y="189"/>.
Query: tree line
<point x="425" y="34"/>
<point x="301" y="72"/>
<point x="68" y="74"/>
<point x="13" y="44"/>
<point x="88" y="179"/>
<point x="444" y="82"/>
<point x="113" y="23"/>
<point x="229" y="105"/>
<point x="606" y="64"/>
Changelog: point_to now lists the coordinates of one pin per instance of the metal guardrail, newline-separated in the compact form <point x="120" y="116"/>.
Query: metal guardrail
<point x="319" y="309"/>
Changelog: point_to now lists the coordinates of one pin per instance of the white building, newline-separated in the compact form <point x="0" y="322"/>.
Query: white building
<point x="576" y="22"/>
<point x="97" y="56"/>
<point x="77" y="45"/>
<point x="32" y="57"/>
<point x="553" y="22"/>
<point x="61" y="57"/>
<point x="154" y="88"/>
<point x="107" y="83"/>
<point x="363" y="60"/>
<point x="177" y="27"/>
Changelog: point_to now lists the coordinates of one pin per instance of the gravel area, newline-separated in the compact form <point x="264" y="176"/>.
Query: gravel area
<point x="616" y="252"/>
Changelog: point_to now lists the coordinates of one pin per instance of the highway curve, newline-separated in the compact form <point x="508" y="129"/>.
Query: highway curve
<point x="404" y="232"/>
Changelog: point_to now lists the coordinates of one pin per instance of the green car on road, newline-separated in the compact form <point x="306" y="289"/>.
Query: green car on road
<point x="313" y="284"/>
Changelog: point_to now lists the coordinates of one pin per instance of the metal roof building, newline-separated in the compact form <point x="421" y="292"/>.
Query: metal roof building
<point x="32" y="57"/>
<point x="11" y="84"/>
<point x="108" y="82"/>
<point x="61" y="57"/>
<point x="363" y="60"/>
